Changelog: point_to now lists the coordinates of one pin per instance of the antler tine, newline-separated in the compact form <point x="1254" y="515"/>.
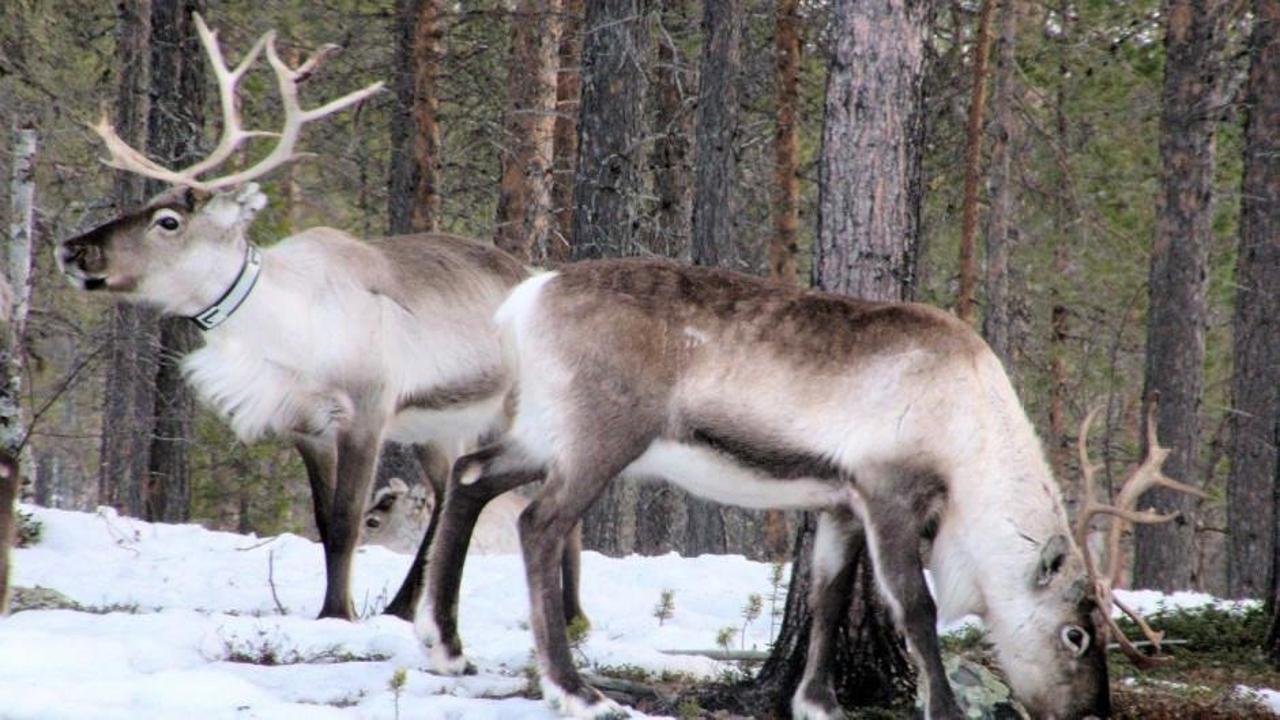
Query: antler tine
<point x="232" y="132"/>
<point x="1091" y="505"/>
<point x="287" y="80"/>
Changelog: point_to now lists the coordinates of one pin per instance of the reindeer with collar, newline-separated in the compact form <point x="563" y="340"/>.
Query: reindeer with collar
<point x="333" y="342"/>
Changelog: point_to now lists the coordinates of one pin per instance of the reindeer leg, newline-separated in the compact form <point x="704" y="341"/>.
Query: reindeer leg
<point x="437" y="620"/>
<point x="357" y="459"/>
<point x="894" y="543"/>
<point x="435" y="466"/>
<point x="832" y="582"/>
<point x="320" y="459"/>
<point x="571" y="576"/>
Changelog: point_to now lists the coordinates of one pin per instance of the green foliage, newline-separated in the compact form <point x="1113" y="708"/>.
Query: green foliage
<point x="396" y="684"/>
<point x="724" y="637"/>
<point x="666" y="606"/>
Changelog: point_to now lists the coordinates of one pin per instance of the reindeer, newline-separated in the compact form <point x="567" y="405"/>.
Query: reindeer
<point x="399" y="516"/>
<point x="891" y="419"/>
<point x="333" y="342"/>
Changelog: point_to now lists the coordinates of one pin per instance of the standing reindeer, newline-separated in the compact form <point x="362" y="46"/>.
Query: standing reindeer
<point x="333" y="342"/>
<point x="893" y="419"/>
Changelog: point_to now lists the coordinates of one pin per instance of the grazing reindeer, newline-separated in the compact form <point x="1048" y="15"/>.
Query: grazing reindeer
<point x="895" y="419"/>
<point x="399" y="516"/>
<point x="330" y="341"/>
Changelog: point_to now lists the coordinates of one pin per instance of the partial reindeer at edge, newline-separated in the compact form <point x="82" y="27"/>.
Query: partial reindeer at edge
<point x="333" y="342"/>
<point x="896" y="418"/>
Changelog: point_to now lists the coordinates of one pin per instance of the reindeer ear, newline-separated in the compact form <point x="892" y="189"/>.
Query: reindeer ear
<point x="237" y="207"/>
<point x="1053" y="554"/>
<point x="397" y="486"/>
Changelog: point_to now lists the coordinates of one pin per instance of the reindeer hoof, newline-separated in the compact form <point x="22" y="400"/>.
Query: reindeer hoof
<point x="585" y="704"/>
<point x="445" y="663"/>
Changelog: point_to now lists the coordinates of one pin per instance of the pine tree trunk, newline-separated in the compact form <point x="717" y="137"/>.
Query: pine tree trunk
<point x="784" y="245"/>
<point x="1164" y="554"/>
<point x="15" y="300"/>
<point x="870" y="190"/>
<point x="609" y="178"/>
<point x="414" y="183"/>
<point x="673" y="81"/>
<point x="1002" y="220"/>
<point x="176" y="119"/>
<point x="965" y="301"/>
<point x="568" y="95"/>
<point x="608" y="193"/>
<point x="1251" y="485"/>
<point x="524" y="196"/>
<point x="128" y="417"/>
<point x="714" y="132"/>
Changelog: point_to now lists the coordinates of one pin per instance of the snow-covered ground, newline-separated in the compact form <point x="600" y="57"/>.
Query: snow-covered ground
<point x="179" y="609"/>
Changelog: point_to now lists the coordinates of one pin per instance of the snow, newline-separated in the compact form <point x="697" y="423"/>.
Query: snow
<point x="174" y="605"/>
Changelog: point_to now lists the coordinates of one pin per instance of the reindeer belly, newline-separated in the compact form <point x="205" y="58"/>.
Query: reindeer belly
<point x="716" y="475"/>
<point x="451" y="428"/>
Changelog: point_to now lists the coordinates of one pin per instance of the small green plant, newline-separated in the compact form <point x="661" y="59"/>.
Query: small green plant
<point x="689" y="710"/>
<point x="29" y="529"/>
<point x="398" y="680"/>
<point x="666" y="606"/>
<point x="724" y="637"/>
<point x="777" y="592"/>
<point x="750" y="612"/>
<point x="578" y="630"/>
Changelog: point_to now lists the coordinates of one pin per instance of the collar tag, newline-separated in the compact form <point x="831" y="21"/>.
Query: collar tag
<point x="217" y="313"/>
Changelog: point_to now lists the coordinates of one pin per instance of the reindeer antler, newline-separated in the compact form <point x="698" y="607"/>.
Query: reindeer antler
<point x="124" y="157"/>
<point x="1148" y="475"/>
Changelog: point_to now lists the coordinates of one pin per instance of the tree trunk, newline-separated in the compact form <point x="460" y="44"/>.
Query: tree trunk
<point x="714" y="131"/>
<point x="1255" y="384"/>
<point x="15" y="300"/>
<point x="869" y="221"/>
<point x="414" y="185"/>
<point x="965" y="302"/>
<point x="673" y="85"/>
<point x="568" y="94"/>
<point x="784" y="246"/>
<point x="1002" y="220"/>
<point x="609" y="181"/>
<point x="1164" y="553"/>
<point x="524" y="196"/>
<point x="128" y="416"/>
<point x="176" y="118"/>
<point x="609" y="190"/>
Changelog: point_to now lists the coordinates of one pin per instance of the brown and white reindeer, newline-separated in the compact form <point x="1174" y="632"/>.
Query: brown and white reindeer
<point x="893" y="418"/>
<point x="334" y="342"/>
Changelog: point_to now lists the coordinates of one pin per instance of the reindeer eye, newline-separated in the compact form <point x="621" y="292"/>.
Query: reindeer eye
<point x="168" y="221"/>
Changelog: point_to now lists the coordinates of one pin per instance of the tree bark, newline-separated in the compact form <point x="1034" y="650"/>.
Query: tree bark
<point x="568" y="95"/>
<point x="784" y="245"/>
<point x="414" y="184"/>
<point x="128" y="416"/>
<point x="524" y="195"/>
<point x="673" y="79"/>
<point x="15" y="300"/>
<point x="1251" y="518"/>
<point x="1002" y="221"/>
<point x="869" y="205"/>
<point x="714" y="132"/>
<point x="609" y="181"/>
<point x="965" y="301"/>
<point x="1179" y="255"/>
<point x="176" y="118"/>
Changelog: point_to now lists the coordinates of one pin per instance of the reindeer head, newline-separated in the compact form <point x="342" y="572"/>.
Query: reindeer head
<point x="398" y="515"/>
<point x="1076" y="597"/>
<point x="183" y="249"/>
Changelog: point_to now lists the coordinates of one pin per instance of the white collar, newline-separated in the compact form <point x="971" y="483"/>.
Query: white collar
<point x="231" y="300"/>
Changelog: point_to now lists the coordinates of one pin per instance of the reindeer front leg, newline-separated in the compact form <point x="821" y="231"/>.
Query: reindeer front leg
<point x="357" y="457"/>
<point x="319" y="457"/>
<point x="437" y="622"/>
<point x="435" y="466"/>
